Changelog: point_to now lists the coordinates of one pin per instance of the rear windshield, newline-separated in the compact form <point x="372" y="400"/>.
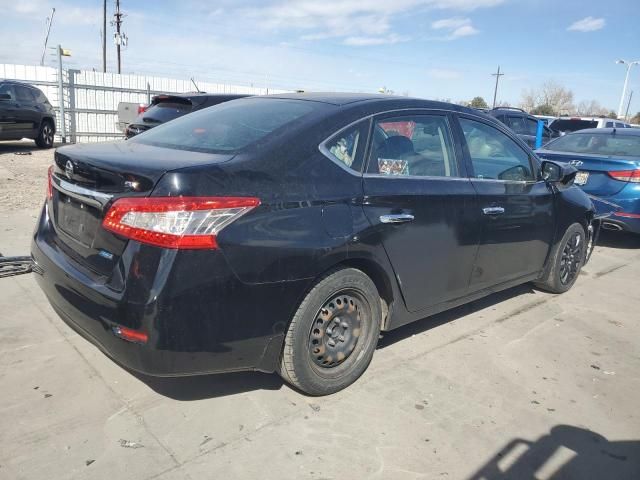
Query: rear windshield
<point x="226" y="127"/>
<point x="598" y="144"/>
<point x="165" y="111"/>
<point x="572" y="125"/>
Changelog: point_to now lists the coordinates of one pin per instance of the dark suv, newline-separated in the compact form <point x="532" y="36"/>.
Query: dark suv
<point x="167" y="107"/>
<point x="525" y="125"/>
<point x="25" y="112"/>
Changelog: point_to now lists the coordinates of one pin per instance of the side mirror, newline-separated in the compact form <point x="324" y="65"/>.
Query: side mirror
<point x="5" y="97"/>
<point x="554" y="172"/>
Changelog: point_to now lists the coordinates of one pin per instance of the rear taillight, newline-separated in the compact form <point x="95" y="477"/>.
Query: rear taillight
<point x="142" y="108"/>
<point x="49" y="183"/>
<point x="176" y="222"/>
<point x="626" y="175"/>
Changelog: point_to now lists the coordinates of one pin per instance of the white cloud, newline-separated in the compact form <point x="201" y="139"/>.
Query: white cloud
<point x="456" y="27"/>
<point x="359" y="22"/>
<point x="444" y="74"/>
<point x="366" y="41"/>
<point x="587" y="24"/>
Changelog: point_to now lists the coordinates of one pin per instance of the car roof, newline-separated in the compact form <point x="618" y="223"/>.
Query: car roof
<point x="609" y="131"/>
<point x="17" y="82"/>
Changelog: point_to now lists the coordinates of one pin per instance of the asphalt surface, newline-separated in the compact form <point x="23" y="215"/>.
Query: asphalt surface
<point x="521" y="384"/>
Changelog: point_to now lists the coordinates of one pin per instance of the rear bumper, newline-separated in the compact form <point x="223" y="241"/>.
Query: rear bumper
<point x="199" y="318"/>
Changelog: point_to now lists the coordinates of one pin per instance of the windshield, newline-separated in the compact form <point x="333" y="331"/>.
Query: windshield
<point x="165" y="111"/>
<point x="226" y="127"/>
<point x="598" y="144"/>
<point x="572" y="125"/>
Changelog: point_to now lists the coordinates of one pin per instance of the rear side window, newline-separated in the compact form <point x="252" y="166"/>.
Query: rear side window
<point x="227" y="127"/>
<point x="24" y="94"/>
<point x="517" y="124"/>
<point x="494" y="155"/>
<point x="7" y="89"/>
<point x="417" y="145"/>
<point x="347" y="147"/>
<point x="572" y="125"/>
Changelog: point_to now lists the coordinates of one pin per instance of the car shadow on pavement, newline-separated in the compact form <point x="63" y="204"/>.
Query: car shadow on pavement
<point x="20" y="147"/>
<point x="566" y="452"/>
<point x="210" y="386"/>
<point x="420" y="326"/>
<point x="613" y="239"/>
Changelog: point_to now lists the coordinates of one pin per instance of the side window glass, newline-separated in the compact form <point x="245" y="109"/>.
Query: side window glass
<point x="494" y="155"/>
<point x="517" y="124"/>
<point x="417" y="145"/>
<point x="609" y="125"/>
<point x="347" y="146"/>
<point x="8" y="89"/>
<point x="532" y="127"/>
<point x="24" y="95"/>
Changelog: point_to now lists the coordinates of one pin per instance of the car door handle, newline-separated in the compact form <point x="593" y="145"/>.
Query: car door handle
<point x="396" y="218"/>
<point x="493" y="210"/>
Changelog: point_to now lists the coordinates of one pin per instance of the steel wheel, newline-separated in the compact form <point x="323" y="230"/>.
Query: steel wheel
<point x="336" y="329"/>
<point x="571" y="258"/>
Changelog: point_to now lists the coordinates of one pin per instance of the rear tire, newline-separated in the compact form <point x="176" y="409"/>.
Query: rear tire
<point x="565" y="262"/>
<point x="45" y="135"/>
<point x="333" y="334"/>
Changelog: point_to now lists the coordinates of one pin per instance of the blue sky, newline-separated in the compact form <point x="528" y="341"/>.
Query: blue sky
<point x="444" y="49"/>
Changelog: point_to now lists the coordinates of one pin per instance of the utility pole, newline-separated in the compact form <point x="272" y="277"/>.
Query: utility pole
<point x="120" y="37"/>
<point x="46" y="37"/>
<point x="104" y="36"/>
<point x="626" y="81"/>
<point x="63" y="128"/>
<point x="626" y="114"/>
<point x="495" y="91"/>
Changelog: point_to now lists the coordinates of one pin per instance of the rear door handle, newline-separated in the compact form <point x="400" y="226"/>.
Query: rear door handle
<point x="493" y="210"/>
<point x="396" y="218"/>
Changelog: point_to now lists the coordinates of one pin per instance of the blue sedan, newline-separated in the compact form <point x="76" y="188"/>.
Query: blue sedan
<point x="608" y="161"/>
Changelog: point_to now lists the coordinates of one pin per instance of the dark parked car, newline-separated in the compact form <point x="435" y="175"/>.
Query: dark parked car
<point x="283" y="233"/>
<point x="25" y="112"/>
<point x="525" y="125"/>
<point x="167" y="107"/>
<point x="609" y="164"/>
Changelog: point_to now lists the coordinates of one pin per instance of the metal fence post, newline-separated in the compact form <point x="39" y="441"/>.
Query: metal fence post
<point x="61" y="96"/>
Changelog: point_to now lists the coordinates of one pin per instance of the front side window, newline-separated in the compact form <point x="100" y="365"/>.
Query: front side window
<point x="227" y="127"/>
<point x="532" y="127"/>
<point x="494" y="155"/>
<point x="416" y="145"/>
<point x="347" y="147"/>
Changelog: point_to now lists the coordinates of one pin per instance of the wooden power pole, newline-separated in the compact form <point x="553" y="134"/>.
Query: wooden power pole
<point x="495" y="91"/>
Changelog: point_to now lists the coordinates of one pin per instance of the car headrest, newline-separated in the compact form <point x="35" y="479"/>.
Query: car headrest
<point x="395" y="147"/>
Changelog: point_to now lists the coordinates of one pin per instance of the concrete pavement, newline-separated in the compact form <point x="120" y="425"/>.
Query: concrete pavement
<point x="522" y="384"/>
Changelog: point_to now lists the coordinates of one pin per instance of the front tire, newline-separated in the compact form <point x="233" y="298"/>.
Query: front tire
<point x="566" y="261"/>
<point x="332" y="337"/>
<point x="45" y="135"/>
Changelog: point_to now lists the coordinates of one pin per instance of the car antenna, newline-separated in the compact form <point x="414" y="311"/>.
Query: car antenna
<point x="195" y="85"/>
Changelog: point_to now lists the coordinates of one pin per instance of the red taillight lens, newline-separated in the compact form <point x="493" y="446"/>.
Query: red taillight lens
<point x="131" y="335"/>
<point x="142" y="108"/>
<point x="176" y="222"/>
<point x="626" y="175"/>
<point x="49" y="183"/>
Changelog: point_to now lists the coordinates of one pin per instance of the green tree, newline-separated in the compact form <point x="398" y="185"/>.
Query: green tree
<point x="612" y="114"/>
<point x="478" y="102"/>
<point x="543" y="109"/>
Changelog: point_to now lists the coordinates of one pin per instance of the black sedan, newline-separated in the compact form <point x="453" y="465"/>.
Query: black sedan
<point x="168" y="107"/>
<point x="283" y="233"/>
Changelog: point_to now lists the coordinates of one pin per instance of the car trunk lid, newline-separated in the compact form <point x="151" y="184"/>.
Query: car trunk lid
<point x="598" y="181"/>
<point x="86" y="179"/>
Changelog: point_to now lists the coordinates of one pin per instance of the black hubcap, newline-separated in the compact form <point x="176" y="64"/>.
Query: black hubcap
<point x="571" y="259"/>
<point x="335" y="330"/>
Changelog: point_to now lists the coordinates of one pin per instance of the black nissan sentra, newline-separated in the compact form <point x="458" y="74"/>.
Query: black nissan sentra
<point x="283" y="233"/>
